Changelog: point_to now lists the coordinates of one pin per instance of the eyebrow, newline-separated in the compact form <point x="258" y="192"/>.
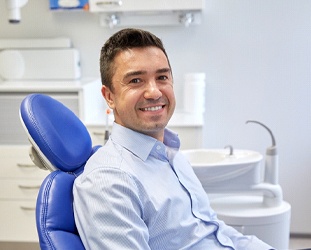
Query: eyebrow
<point x="164" y="70"/>
<point x="142" y="72"/>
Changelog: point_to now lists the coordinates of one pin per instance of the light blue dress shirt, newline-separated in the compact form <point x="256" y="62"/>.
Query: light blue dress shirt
<point x="138" y="193"/>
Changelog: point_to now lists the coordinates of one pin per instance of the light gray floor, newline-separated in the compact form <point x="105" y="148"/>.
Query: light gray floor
<point x="19" y="246"/>
<point x="295" y="243"/>
<point x="299" y="243"/>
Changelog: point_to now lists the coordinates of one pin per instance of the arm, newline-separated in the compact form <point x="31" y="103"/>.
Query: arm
<point x="108" y="211"/>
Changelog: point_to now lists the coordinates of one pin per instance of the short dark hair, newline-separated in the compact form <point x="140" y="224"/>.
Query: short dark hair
<point x="120" y="41"/>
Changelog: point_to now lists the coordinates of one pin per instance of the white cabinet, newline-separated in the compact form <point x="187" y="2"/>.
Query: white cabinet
<point x="148" y="12"/>
<point x="20" y="180"/>
<point x="82" y="97"/>
<point x="145" y="5"/>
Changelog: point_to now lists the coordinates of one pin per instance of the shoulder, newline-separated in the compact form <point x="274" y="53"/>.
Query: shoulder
<point x="110" y="160"/>
<point x="107" y="156"/>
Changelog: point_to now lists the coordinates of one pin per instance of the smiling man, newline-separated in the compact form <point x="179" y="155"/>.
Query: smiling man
<point x="138" y="192"/>
<point x="141" y="90"/>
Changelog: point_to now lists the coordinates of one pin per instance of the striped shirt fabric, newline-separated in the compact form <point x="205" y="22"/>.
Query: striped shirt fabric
<point x="139" y="193"/>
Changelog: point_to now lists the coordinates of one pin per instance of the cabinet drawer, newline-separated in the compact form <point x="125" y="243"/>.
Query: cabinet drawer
<point x="19" y="189"/>
<point x="18" y="221"/>
<point x="16" y="163"/>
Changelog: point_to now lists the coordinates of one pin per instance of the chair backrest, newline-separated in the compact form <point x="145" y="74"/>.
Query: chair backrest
<point x="60" y="143"/>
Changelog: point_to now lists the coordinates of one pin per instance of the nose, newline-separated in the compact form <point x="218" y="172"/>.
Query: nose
<point x="152" y="91"/>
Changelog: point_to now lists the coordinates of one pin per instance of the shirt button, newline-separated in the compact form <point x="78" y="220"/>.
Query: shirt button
<point x="158" y="147"/>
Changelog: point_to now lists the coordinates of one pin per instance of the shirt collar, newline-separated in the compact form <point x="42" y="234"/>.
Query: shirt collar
<point x="140" y="144"/>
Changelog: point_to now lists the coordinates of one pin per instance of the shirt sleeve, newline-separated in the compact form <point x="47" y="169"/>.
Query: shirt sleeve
<point x="108" y="211"/>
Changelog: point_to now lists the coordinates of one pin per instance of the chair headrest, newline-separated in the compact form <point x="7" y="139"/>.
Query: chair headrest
<point x="59" y="138"/>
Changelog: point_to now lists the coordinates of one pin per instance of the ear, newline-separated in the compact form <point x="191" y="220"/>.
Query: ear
<point x="109" y="96"/>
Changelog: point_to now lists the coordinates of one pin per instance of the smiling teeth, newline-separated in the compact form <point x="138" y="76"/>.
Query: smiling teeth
<point x="152" y="108"/>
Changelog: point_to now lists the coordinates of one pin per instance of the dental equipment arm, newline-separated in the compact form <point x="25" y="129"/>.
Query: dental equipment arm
<point x="273" y="194"/>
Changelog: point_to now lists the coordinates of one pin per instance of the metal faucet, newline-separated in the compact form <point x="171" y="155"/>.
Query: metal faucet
<point x="230" y="148"/>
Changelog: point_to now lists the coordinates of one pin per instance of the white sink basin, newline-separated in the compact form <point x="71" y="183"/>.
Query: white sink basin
<point x="219" y="171"/>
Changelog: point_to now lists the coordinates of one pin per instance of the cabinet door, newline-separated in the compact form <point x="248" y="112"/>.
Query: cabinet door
<point x="16" y="164"/>
<point x="18" y="221"/>
<point x="19" y="189"/>
<point x="11" y="130"/>
<point x="20" y="181"/>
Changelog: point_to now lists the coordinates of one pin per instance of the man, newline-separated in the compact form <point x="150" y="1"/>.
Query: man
<point x="138" y="191"/>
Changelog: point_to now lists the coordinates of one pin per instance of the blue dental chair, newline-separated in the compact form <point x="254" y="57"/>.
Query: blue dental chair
<point x="59" y="143"/>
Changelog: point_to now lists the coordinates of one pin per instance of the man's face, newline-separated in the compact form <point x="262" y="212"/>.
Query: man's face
<point x="143" y="96"/>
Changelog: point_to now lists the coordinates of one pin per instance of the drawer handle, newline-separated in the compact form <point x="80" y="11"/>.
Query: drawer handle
<point x="29" y="187"/>
<point x="98" y="134"/>
<point x="22" y="165"/>
<point x="28" y="208"/>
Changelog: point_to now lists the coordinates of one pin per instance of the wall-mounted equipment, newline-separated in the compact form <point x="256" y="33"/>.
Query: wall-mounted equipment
<point x="68" y="4"/>
<point x="147" y="12"/>
<point x="14" y="7"/>
<point x="26" y="59"/>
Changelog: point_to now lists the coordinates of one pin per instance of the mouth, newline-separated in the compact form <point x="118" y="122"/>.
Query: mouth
<point x="153" y="109"/>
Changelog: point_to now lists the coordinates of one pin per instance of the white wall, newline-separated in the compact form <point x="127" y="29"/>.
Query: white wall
<point x="257" y="57"/>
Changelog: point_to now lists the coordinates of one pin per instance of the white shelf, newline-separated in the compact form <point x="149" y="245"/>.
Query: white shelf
<point x="44" y="85"/>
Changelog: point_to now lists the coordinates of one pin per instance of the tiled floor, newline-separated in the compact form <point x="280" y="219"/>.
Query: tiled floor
<point x="296" y="243"/>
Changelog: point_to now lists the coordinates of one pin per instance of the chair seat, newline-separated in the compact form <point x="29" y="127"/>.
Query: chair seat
<point x="55" y="217"/>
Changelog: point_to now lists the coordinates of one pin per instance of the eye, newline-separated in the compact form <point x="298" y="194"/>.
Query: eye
<point x="163" y="78"/>
<point x="135" y="80"/>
